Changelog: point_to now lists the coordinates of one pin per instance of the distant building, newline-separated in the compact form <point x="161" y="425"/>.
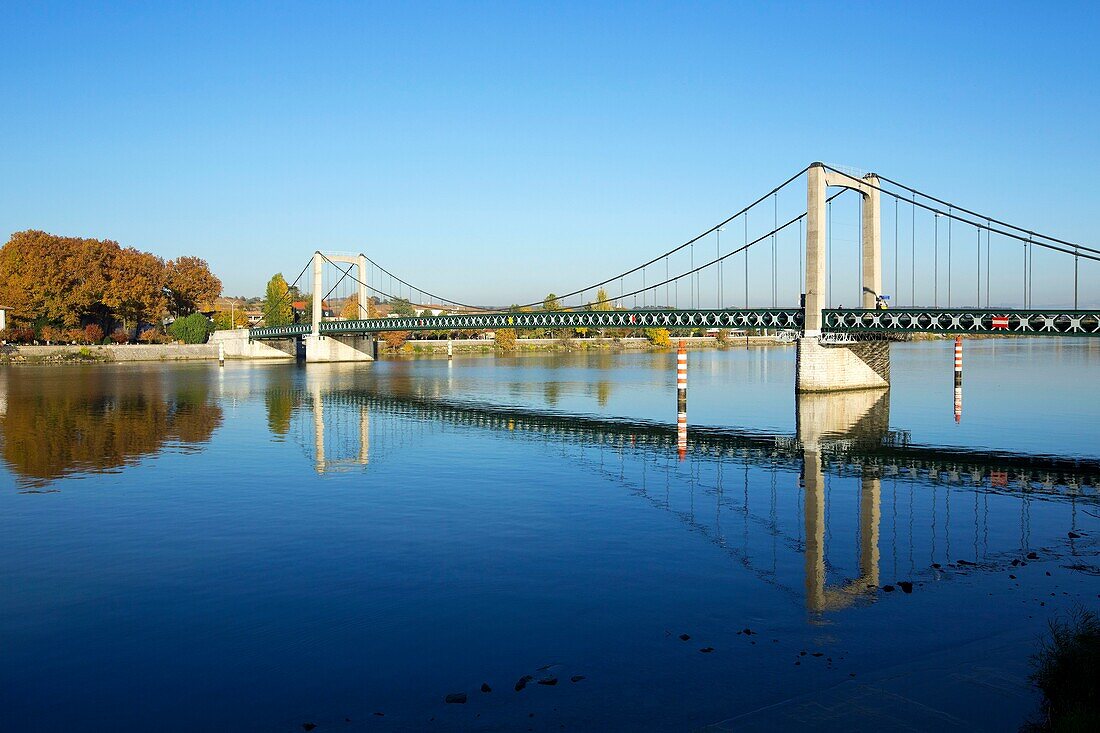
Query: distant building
<point x="3" y="317"/>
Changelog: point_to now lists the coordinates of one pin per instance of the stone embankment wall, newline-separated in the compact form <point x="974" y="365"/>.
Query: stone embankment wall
<point x="13" y="354"/>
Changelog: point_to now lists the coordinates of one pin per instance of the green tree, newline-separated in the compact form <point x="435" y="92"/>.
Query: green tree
<point x="277" y="308"/>
<point x="402" y="307"/>
<point x="192" y="329"/>
<point x="603" y="301"/>
<point x="550" y="303"/>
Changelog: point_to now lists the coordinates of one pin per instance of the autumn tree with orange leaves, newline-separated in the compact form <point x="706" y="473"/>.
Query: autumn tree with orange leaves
<point x="67" y="282"/>
<point x="190" y="284"/>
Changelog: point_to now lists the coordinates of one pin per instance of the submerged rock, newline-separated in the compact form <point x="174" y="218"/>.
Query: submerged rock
<point x="522" y="682"/>
<point x="888" y="588"/>
<point x="577" y="678"/>
<point x="548" y="681"/>
<point x="684" y="637"/>
<point x="455" y="698"/>
<point x="1073" y="535"/>
<point x="707" y="649"/>
<point x="485" y="687"/>
<point x="1032" y="556"/>
<point x="308" y="726"/>
<point x="905" y="586"/>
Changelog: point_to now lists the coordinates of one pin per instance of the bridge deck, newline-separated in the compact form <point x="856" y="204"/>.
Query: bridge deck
<point x="994" y="322"/>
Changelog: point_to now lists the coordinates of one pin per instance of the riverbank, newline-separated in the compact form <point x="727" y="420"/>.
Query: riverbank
<point x="73" y="354"/>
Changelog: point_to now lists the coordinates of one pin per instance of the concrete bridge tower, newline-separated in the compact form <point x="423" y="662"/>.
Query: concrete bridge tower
<point x="338" y="347"/>
<point x="830" y="367"/>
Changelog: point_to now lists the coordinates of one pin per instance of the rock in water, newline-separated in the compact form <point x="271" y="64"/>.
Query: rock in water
<point x="707" y="649"/>
<point x="1073" y="535"/>
<point x="684" y="637"/>
<point x="576" y="678"/>
<point x="485" y="687"/>
<point x="455" y="698"/>
<point x="522" y="682"/>
<point x="308" y="726"/>
<point x="1032" y="556"/>
<point x="888" y="588"/>
<point x="905" y="586"/>
<point x="548" y="681"/>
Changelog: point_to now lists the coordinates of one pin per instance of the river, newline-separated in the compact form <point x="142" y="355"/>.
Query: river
<point x="271" y="547"/>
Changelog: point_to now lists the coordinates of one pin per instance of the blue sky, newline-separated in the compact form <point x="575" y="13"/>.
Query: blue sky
<point x="495" y="152"/>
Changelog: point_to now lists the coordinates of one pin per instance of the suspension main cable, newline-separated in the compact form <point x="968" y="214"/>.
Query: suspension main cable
<point x="368" y="286"/>
<point x="738" y="250"/>
<point x="950" y="213"/>
<point x="688" y="243"/>
<point x="983" y="216"/>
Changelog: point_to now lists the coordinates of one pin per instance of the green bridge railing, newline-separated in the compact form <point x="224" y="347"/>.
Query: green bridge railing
<point x="1002" y="322"/>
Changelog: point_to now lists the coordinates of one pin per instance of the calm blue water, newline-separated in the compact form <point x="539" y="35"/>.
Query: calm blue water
<point x="264" y="545"/>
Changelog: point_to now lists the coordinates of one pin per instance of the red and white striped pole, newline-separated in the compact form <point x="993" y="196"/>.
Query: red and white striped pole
<point x="958" y="379"/>
<point x="958" y="360"/>
<point x="681" y="400"/>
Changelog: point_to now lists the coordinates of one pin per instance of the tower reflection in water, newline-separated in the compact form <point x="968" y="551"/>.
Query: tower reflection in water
<point x="838" y="499"/>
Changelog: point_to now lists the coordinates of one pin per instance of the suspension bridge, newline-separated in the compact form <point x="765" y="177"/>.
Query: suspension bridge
<point x="975" y="275"/>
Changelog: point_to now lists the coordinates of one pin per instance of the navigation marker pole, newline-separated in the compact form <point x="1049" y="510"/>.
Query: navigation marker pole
<point x="958" y="361"/>
<point x="958" y="379"/>
<point x="681" y="400"/>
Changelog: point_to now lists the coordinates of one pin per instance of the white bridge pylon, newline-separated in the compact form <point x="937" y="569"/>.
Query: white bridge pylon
<point x="359" y="260"/>
<point x="343" y="347"/>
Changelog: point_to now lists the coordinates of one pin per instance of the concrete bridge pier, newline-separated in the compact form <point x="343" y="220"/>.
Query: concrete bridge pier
<point x="823" y="367"/>
<point x="237" y="345"/>
<point x="327" y="349"/>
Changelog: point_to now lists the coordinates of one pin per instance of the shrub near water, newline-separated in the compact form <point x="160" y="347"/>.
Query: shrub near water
<point x="658" y="337"/>
<point x="192" y="329"/>
<point x="505" y="339"/>
<point x="1067" y="670"/>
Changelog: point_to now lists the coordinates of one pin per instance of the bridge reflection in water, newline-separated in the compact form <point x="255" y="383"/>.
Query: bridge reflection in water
<point x="843" y="445"/>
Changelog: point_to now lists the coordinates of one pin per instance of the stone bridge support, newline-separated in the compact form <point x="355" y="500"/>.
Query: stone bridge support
<point x="350" y="347"/>
<point x="828" y="367"/>
<point x="237" y="346"/>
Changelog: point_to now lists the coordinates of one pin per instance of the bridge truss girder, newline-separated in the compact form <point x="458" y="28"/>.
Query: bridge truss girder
<point x="1010" y="322"/>
<point x="1053" y="322"/>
